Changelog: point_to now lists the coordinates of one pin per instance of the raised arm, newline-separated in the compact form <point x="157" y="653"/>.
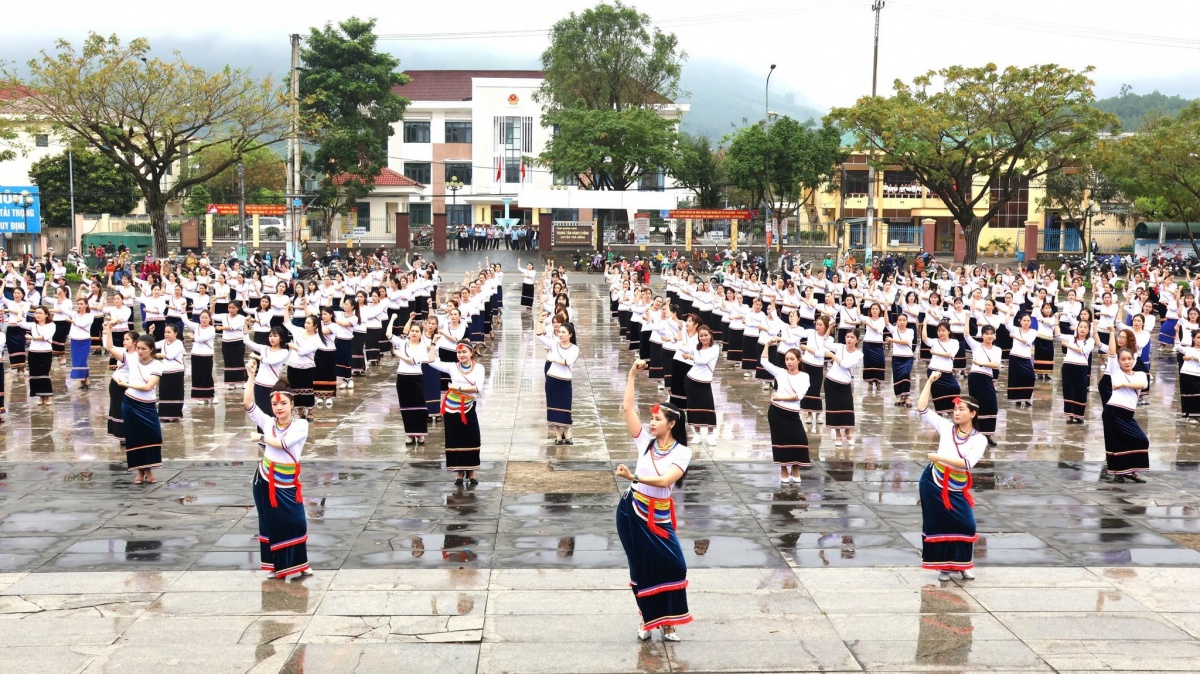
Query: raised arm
<point x="629" y="404"/>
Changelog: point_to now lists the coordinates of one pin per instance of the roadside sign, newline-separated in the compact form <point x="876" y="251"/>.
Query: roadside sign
<point x="14" y="217"/>
<point x="641" y="230"/>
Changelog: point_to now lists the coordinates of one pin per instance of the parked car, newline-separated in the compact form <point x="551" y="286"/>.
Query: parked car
<point x="269" y="227"/>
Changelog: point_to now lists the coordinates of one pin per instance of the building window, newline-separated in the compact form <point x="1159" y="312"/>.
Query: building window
<point x="901" y="185"/>
<point x="416" y="132"/>
<point x="564" y="214"/>
<point x="1014" y="213"/>
<point x="42" y="140"/>
<point x="855" y="183"/>
<point x="458" y="214"/>
<point x="458" y="132"/>
<point x="569" y="180"/>
<point x="421" y="172"/>
<point x="652" y="182"/>
<point x="462" y="171"/>
<point x="420" y="214"/>
<point x="512" y="169"/>
<point x="364" y="215"/>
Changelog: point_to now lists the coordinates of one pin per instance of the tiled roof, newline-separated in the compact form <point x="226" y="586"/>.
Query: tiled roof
<point x="386" y="178"/>
<point x="453" y="85"/>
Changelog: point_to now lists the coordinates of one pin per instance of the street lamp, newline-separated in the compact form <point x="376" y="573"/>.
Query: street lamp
<point x="454" y="186"/>
<point x="26" y="203"/>
<point x="1092" y="211"/>
<point x="767" y="169"/>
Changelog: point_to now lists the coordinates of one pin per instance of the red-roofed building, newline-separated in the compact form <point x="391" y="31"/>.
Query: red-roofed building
<point x="483" y="129"/>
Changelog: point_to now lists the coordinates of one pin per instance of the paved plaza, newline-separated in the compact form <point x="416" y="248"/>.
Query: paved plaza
<point x="524" y="572"/>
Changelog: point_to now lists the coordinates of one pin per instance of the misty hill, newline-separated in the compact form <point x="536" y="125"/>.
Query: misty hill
<point x="1131" y="108"/>
<point x="725" y="96"/>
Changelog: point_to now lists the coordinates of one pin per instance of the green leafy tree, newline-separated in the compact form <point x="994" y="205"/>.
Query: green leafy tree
<point x="1159" y="167"/>
<point x="266" y="176"/>
<point x="100" y="187"/>
<point x="780" y="166"/>
<point x="145" y="113"/>
<point x="611" y="149"/>
<point x="348" y="107"/>
<point x="699" y="168"/>
<point x="963" y="131"/>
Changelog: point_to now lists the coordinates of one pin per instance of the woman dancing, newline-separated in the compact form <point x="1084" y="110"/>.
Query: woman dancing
<point x="278" y="497"/>
<point x="981" y="382"/>
<point x="458" y="412"/>
<point x="143" y="430"/>
<point x="947" y="509"/>
<point x="1126" y="447"/>
<point x="561" y="354"/>
<point x="411" y="352"/>
<point x="646" y="514"/>
<point x="789" y="440"/>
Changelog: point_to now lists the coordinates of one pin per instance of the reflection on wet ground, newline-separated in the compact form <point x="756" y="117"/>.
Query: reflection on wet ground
<point x="528" y="558"/>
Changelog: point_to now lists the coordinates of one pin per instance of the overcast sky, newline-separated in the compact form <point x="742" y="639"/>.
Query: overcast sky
<point x="822" y="47"/>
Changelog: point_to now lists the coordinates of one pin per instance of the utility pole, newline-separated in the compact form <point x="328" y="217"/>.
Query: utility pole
<point x="241" y="173"/>
<point x="294" y="183"/>
<point x="767" y="171"/>
<point x="869" y="234"/>
<point x="71" y="188"/>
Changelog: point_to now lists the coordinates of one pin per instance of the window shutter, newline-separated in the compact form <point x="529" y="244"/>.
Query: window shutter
<point x="527" y="135"/>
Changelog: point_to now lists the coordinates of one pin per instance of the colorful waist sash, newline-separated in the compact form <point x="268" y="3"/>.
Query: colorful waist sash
<point x="457" y="401"/>
<point x="281" y="476"/>
<point x="959" y="480"/>
<point x="664" y="511"/>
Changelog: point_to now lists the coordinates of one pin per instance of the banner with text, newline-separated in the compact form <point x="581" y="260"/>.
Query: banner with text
<point x="572" y="234"/>
<point x="15" y="218"/>
<point x="641" y="231"/>
<point x="709" y="214"/>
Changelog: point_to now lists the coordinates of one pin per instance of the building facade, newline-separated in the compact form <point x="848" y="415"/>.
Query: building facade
<point x="470" y="138"/>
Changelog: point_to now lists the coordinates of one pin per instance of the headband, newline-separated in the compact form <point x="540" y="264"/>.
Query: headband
<point x="655" y="409"/>
<point x="968" y="403"/>
<point x="277" y="396"/>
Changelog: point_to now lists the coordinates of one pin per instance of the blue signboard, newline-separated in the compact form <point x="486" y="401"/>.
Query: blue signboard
<point x="14" y="217"/>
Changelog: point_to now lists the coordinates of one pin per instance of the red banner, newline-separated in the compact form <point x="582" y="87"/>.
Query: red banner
<point x="251" y="209"/>
<point x="709" y="214"/>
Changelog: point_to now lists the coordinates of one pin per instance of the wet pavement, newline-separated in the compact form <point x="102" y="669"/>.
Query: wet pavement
<point x="1074" y="573"/>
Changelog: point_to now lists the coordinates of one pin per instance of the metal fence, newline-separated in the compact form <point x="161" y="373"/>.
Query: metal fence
<point x="905" y="235"/>
<point x="1069" y="240"/>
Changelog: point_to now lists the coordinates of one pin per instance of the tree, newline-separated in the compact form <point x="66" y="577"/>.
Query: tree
<point x="146" y="113"/>
<point x="699" y="168"/>
<point x="608" y="76"/>
<point x="1159" y="167"/>
<point x="609" y="58"/>
<point x="266" y="177"/>
<point x="1071" y="190"/>
<point x="100" y="187"/>
<point x="964" y="131"/>
<point x="779" y="166"/>
<point x="611" y="149"/>
<point x="348" y="106"/>
<point x="1133" y="108"/>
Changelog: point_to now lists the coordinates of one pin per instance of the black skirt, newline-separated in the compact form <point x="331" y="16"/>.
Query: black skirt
<point x="960" y="361"/>
<point x="1075" y="381"/>
<point x="170" y="396"/>
<point x="873" y="361"/>
<point x="301" y="381"/>
<point x="202" y="378"/>
<point x="325" y="378"/>
<point x="839" y="405"/>
<point x="143" y="434"/>
<point x="40" y="384"/>
<point x="655" y="371"/>
<point x="678" y="382"/>
<point x="15" y="340"/>
<point x="558" y="401"/>
<point x="1189" y="394"/>
<point x="1126" y="447"/>
<point x="902" y="375"/>
<point x="371" y="344"/>
<point x="751" y="352"/>
<point x="359" y="354"/>
<point x="233" y="358"/>
<point x="410" y="392"/>
<point x="789" y="440"/>
<point x="59" y="342"/>
<point x="644" y="345"/>
<point x="812" y="399"/>
<point x="734" y="352"/>
<point x="116" y="419"/>
<point x="701" y="410"/>
<point x="343" y="358"/>
<point x="944" y="391"/>
<point x="982" y="387"/>
<point x="527" y="294"/>
<point x="1043" y="356"/>
<point x="1020" y="378"/>
<point x="462" y="439"/>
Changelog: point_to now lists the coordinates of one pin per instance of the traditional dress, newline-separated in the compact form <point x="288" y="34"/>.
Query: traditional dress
<point x="947" y="508"/>
<point x="410" y="389"/>
<point x="789" y="440"/>
<point x="171" y="386"/>
<point x="459" y="416"/>
<point x="41" y="345"/>
<point x="203" y="386"/>
<point x="143" y="431"/>
<point x="1076" y="375"/>
<point x="902" y="361"/>
<point x="1189" y="380"/>
<point x="1126" y="447"/>
<point x="946" y="388"/>
<point x="839" y="388"/>
<point x="981" y="385"/>
<point x="233" y="348"/>
<point x="646" y="527"/>
<point x="559" y="380"/>
<point x="1020" y="365"/>
<point x="701" y="409"/>
<point x="814" y="367"/>
<point x="279" y="499"/>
